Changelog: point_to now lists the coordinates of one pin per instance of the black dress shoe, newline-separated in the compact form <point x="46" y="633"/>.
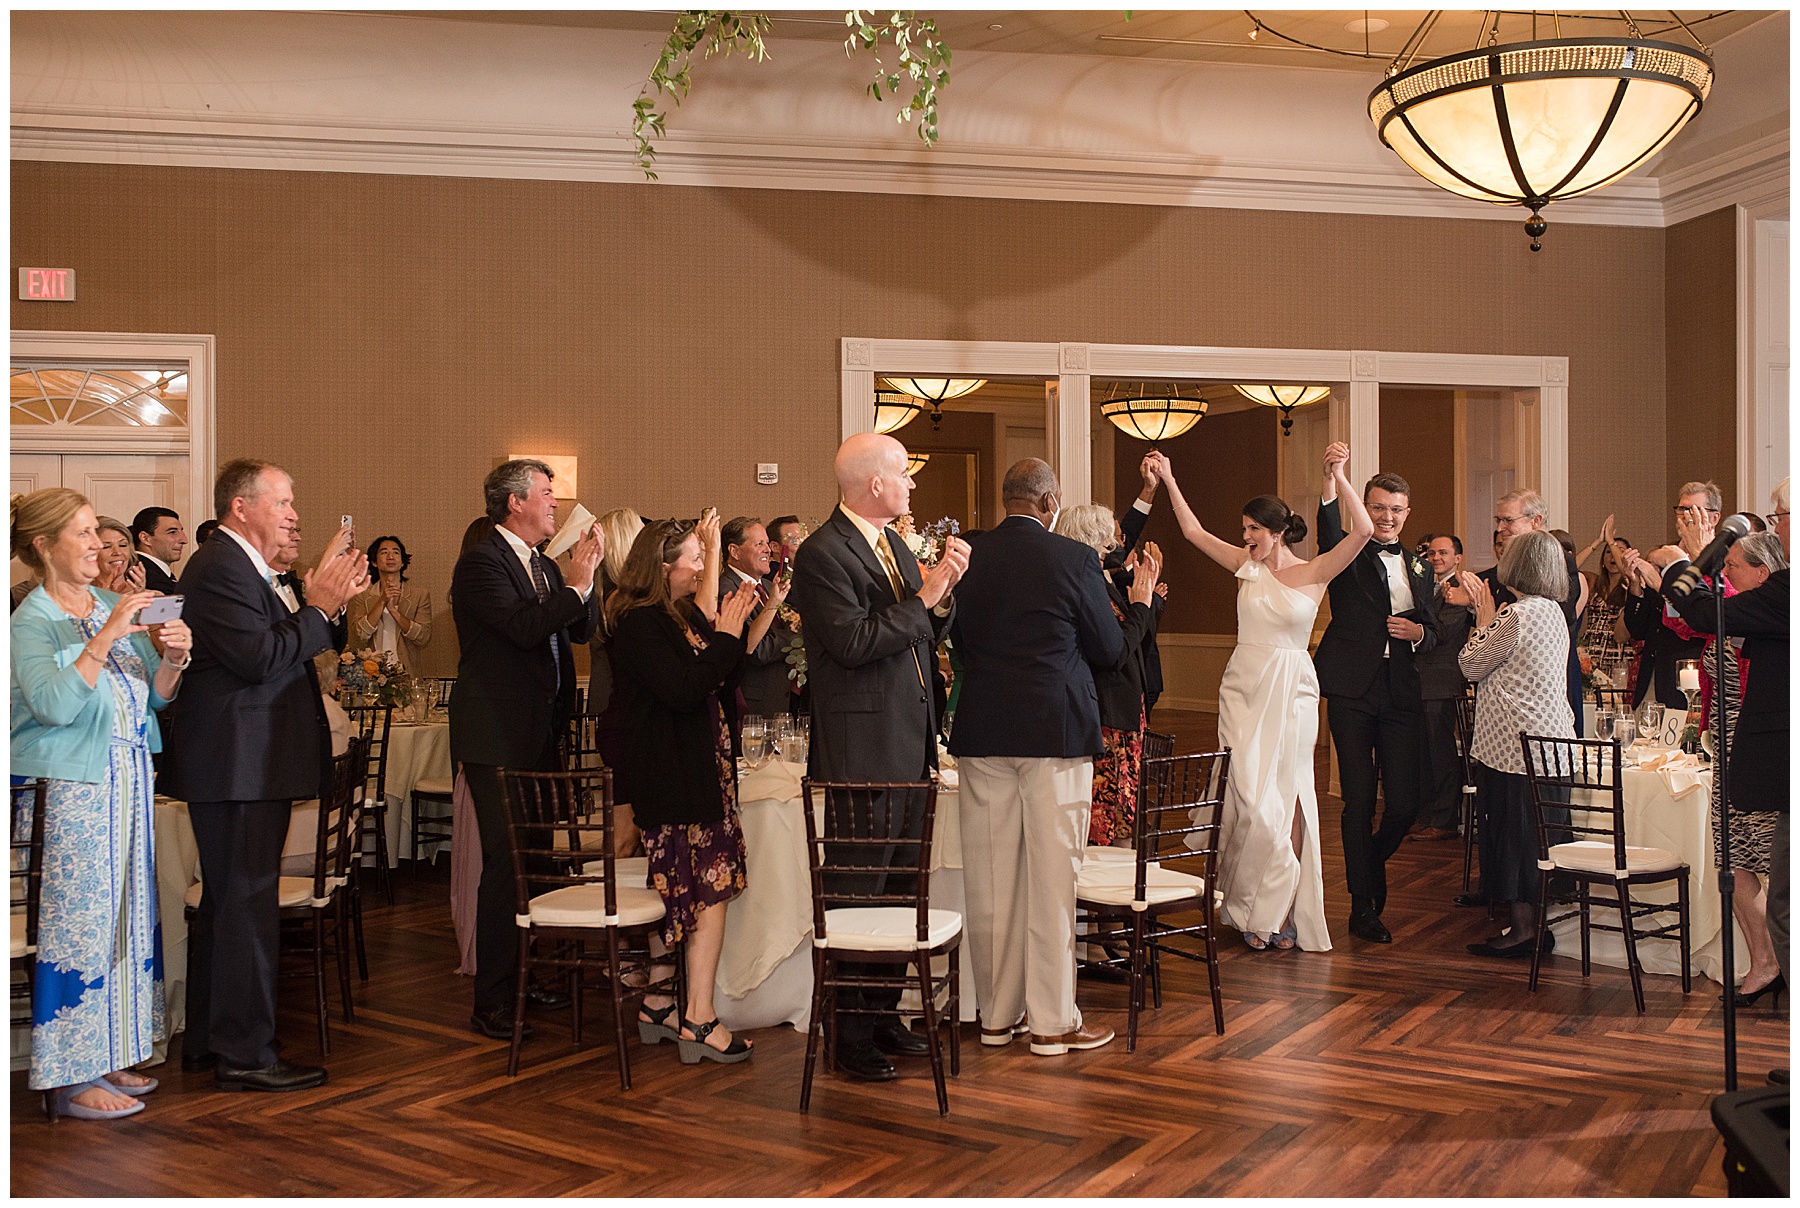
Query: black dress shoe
<point x="282" y="1076"/>
<point x="1516" y="951"/>
<point x="497" y="1024"/>
<point x="1110" y="974"/>
<point x="897" y="1041"/>
<point x="544" y="999"/>
<point x="1367" y="925"/>
<point x="866" y="1063"/>
<point x="1470" y="899"/>
<point x="1778" y="1076"/>
<point x="198" y="1063"/>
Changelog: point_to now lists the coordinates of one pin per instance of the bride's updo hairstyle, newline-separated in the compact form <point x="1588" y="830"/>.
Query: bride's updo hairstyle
<point x="1274" y="515"/>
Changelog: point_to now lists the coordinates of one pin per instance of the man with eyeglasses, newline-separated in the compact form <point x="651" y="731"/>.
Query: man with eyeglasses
<point x="762" y="688"/>
<point x="1650" y="619"/>
<point x="1522" y="511"/>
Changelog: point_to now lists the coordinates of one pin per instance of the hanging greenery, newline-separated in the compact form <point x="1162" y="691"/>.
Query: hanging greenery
<point x="922" y="60"/>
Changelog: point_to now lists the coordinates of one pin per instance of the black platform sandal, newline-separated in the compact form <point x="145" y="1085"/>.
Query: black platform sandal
<point x="693" y="1050"/>
<point x="656" y="1029"/>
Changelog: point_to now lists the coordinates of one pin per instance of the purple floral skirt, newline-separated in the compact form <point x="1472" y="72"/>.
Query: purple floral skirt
<point x="699" y="864"/>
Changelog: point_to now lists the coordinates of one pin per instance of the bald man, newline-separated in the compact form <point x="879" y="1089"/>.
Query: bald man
<point x="871" y="622"/>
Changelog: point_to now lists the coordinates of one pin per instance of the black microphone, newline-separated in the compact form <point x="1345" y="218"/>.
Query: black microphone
<point x="1731" y="530"/>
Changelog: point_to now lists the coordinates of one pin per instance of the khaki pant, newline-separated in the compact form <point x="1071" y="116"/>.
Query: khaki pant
<point x="1024" y="826"/>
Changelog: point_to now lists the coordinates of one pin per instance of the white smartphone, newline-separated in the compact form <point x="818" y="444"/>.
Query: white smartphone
<point x="159" y="610"/>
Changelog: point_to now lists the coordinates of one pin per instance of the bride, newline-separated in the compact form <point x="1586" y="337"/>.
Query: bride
<point x="1269" y="868"/>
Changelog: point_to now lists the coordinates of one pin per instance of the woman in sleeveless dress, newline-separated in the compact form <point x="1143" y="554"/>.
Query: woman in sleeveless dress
<point x="1269" y="865"/>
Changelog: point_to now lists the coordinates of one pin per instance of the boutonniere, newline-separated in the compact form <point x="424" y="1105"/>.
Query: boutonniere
<point x="1418" y="567"/>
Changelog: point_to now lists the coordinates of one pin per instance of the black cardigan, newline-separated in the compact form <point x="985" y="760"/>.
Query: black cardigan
<point x="1121" y="686"/>
<point x="662" y="687"/>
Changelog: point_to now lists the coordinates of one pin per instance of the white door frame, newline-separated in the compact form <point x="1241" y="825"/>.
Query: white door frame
<point x="1757" y="469"/>
<point x="1541" y="384"/>
<point x="132" y="349"/>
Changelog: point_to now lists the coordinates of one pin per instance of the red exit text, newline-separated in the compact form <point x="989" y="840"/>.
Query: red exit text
<point x="46" y="285"/>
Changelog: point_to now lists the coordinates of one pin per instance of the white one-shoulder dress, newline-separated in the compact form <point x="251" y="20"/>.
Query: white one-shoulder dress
<point x="1269" y="717"/>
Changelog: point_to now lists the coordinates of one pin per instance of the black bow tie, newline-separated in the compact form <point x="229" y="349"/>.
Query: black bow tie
<point x="1391" y="548"/>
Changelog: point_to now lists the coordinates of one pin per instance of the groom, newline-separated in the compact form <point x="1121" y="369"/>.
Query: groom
<point x="1380" y="618"/>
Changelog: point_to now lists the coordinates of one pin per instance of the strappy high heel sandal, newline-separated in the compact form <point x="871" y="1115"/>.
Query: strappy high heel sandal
<point x="656" y="1028"/>
<point x="693" y="1050"/>
<point x="1283" y="940"/>
<point x="1255" y="942"/>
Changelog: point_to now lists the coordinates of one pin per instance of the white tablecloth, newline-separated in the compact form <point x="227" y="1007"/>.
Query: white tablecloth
<point x="1675" y="822"/>
<point x="415" y="752"/>
<point x="765" y="971"/>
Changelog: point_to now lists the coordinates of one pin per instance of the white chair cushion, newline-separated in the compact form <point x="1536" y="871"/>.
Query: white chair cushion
<point x="1108" y="855"/>
<point x="1114" y="884"/>
<point x="297" y="891"/>
<point x="585" y="906"/>
<point x="436" y="786"/>
<point x="886" y="928"/>
<point x="1590" y="855"/>
<point x="19" y="946"/>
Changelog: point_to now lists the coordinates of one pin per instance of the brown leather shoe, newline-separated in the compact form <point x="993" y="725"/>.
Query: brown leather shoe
<point x="995" y="1037"/>
<point x="1085" y="1037"/>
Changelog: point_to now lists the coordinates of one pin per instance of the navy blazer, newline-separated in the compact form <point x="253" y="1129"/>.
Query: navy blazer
<point x="507" y="705"/>
<point x="1032" y="614"/>
<point x="1350" y="653"/>
<point x="873" y="718"/>
<point x="249" y="724"/>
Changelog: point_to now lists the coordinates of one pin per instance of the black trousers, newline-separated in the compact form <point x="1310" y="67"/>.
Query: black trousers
<point x="854" y="1029"/>
<point x="235" y="942"/>
<point x="1440" y="768"/>
<point x="1376" y="726"/>
<point x="497" y="902"/>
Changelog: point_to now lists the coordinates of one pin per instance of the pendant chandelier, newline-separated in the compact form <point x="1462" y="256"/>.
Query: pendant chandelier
<point x="1286" y="398"/>
<point x="935" y="391"/>
<point x="894" y="410"/>
<point x="1530" y="123"/>
<point x="1154" y="415"/>
<point x="915" y="462"/>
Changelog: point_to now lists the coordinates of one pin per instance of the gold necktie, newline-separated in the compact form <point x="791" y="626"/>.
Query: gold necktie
<point x="885" y="553"/>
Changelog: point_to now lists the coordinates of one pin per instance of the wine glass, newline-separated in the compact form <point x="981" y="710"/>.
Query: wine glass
<point x="1653" y="720"/>
<point x="1624" y="728"/>
<point x="756" y="750"/>
<point x="1603" y="722"/>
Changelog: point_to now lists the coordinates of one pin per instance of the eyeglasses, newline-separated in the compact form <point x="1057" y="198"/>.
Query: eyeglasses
<point x="1380" y="509"/>
<point x="1774" y="518"/>
<point x="1685" y="509"/>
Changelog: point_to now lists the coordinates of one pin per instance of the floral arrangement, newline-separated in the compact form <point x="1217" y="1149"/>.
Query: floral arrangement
<point x="374" y="675"/>
<point x="927" y="545"/>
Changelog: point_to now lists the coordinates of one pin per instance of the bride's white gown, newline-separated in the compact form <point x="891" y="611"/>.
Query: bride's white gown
<point x="1269" y="717"/>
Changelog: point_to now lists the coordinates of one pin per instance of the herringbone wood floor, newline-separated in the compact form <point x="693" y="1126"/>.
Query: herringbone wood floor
<point x="1413" y="1069"/>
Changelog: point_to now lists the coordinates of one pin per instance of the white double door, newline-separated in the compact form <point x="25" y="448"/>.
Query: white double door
<point x="117" y="484"/>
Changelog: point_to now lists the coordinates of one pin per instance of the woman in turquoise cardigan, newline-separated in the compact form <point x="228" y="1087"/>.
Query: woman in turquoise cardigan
<point x="85" y="683"/>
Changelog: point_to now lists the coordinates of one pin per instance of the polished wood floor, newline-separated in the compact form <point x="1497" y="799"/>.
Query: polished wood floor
<point x="1412" y="1069"/>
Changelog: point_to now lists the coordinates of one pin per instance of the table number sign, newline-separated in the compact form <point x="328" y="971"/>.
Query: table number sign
<point x="1674" y="722"/>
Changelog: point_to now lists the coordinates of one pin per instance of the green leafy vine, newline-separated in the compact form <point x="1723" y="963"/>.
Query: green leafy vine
<point x="923" y="61"/>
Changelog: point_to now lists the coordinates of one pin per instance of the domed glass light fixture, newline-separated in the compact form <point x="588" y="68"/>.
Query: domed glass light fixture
<point x="935" y="391"/>
<point x="1154" y="415"/>
<point x="894" y="410"/>
<point x="1530" y="123"/>
<point x="1286" y="398"/>
<point x="915" y="462"/>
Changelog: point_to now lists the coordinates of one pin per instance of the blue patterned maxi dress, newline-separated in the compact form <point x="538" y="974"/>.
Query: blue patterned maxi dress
<point x="97" y="998"/>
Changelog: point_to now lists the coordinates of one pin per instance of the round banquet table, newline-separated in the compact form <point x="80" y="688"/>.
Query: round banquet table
<point x="416" y="751"/>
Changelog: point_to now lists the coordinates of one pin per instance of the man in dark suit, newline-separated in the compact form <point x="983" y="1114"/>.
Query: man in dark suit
<point x="1380" y="619"/>
<point x="515" y="689"/>
<point x="252" y="739"/>
<point x="291" y="586"/>
<point x="1441" y="685"/>
<point x="762" y="681"/>
<point x="1033" y="614"/>
<point x="1131" y="527"/>
<point x="871" y="622"/>
<point x="159" y="538"/>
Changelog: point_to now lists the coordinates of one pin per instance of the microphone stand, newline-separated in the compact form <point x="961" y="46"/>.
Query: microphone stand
<point x="1728" y="932"/>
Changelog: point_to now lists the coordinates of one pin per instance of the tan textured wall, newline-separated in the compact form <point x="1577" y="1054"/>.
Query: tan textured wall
<point x="388" y="336"/>
<point x="1418" y="442"/>
<point x="1700" y="266"/>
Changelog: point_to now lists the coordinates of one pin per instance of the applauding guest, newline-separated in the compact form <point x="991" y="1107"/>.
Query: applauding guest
<point x="1441" y="686"/>
<point x="86" y="682"/>
<point x="391" y="616"/>
<point x="119" y="572"/>
<point x="671" y="662"/>
<point x="1519" y="654"/>
<point x="762" y="681"/>
<point x="252" y="738"/>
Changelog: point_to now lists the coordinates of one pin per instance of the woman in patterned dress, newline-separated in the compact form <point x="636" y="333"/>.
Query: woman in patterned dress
<point x="1519" y="654"/>
<point x="1120" y="686"/>
<point x="670" y="661"/>
<point x="85" y="682"/>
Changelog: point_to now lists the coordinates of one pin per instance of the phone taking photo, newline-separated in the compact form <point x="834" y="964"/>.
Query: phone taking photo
<point x="160" y="610"/>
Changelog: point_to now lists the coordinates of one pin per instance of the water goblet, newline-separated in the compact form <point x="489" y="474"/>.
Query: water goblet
<point x="1653" y="720"/>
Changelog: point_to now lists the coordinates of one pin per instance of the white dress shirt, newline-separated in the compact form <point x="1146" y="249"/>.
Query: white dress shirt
<point x="523" y="552"/>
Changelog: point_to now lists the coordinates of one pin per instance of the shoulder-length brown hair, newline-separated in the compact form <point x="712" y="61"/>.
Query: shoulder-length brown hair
<point x="642" y="581"/>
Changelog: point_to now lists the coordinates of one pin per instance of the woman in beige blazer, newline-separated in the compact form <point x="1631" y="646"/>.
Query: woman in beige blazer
<point x="391" y="615"/>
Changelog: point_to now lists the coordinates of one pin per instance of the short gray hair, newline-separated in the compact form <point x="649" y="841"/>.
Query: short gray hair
<point x="1031" y="479"/>
<point x="239" y="479"/>
<point x="1534" y="564"/>
<point x="510" y="480"/>
<point x="1715" y="500"/>
<point x="1763" y="549"/>
<point x="1530" y="504"/>
<point x="1089" y="523"/>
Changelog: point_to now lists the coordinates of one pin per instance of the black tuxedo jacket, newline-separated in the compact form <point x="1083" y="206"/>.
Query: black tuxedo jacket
<point x="1440" y="675"/>
<point x="1758" y="769"/>
<point x="156" y="580"/>
<point x="762" y="677"/>
<point x="1031" y="617"/>
<point x="340" y="624"/>
<point x="1350" y="653"/>
<point x="1121" y="685"/>
<point x="507" y="705"/>
<point x="1131" y="524"/>
<point x="865" y="653"/>
<point x="251" y="726"/>
<point x="1663" y="647"/>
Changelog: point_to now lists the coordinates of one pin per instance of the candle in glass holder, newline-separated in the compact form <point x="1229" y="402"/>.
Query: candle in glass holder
<point x="1688" y="676"/>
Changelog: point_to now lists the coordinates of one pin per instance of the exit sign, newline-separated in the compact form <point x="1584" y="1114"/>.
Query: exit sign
<point x="46" y="285"/>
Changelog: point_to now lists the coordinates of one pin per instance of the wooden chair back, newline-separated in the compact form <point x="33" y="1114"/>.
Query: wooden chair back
<point x="374" y="723"/>
<point x="868" y="843"/>
<point x="27" y="866"/>
<point x="1158" y="746"/>
<point x="1465" y="732"/>
<point x="1555" y="769"/>
<point x="1181" y="805"/>
<point x="340" y="818"/>
<point x="545" y="807"/>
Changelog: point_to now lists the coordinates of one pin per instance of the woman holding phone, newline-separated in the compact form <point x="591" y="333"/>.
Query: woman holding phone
<point x="86" y="681"/>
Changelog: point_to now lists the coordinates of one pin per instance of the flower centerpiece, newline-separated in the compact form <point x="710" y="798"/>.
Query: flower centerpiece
<point x="375" y="676"/>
